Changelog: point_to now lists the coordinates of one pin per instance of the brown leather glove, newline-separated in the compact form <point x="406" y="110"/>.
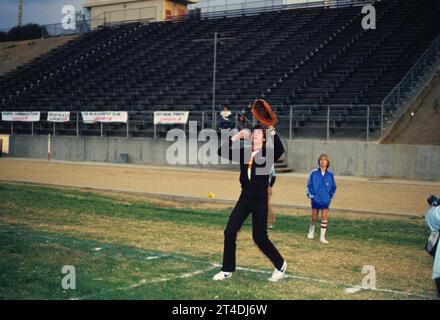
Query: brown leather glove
<point x="263" y="113"/>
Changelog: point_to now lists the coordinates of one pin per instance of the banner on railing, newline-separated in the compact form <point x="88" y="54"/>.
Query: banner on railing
<point x="105" y="116"/>
<point x="171" y="117"/>
<point x="21" y="116"/>
<point x="53" y="116"/>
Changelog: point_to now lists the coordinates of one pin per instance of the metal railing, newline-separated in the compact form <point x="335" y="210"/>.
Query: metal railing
<point x="57" y="29"/>
<point x="209" y="8"/>
<point x="411" y="83"/>
<point x="328" y="120"/>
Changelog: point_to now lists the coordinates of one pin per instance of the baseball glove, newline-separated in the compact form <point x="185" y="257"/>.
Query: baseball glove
<point x="263" y="113"/>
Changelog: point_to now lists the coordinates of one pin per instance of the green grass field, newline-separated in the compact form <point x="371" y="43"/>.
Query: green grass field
<point x="127" y="247"/>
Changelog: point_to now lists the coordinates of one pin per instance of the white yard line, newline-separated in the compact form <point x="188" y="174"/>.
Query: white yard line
<point x="350" y="287"/>
<point x="145" y="282"/>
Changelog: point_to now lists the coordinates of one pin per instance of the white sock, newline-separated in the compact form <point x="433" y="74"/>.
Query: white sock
<point x="323" y="228"/>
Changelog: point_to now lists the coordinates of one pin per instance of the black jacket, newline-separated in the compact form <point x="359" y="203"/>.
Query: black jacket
<point x="258" y="184"/>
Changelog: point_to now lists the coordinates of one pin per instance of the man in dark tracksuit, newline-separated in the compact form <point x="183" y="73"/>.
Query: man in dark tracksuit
<point x="253" y="199"/>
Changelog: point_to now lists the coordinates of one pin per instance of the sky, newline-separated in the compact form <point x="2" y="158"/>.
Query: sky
<point x="37" y="11"/>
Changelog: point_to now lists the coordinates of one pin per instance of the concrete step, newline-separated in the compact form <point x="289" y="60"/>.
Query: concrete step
<point x="284" y="170"/>
<point x="282" y="167"/>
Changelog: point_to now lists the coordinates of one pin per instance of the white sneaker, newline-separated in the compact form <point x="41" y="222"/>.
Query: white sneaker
<point x="323" y="240"/>
<point x="222" y="276"/>
<point x="311" y="234"/>
<point x="278" y="274"/>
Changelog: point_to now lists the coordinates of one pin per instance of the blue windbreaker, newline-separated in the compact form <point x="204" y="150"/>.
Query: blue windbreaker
<point x="321" y="188"/>
<point x="433" y="220"/>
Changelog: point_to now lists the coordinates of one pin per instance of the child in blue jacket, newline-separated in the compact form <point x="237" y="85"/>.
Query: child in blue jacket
<point x="321" y="187"/>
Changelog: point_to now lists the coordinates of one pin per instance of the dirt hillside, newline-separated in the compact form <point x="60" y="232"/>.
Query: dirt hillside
<point x="15" y="53"/>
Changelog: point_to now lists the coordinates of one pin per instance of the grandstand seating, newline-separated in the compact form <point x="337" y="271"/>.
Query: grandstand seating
<point x="308" y="58"/>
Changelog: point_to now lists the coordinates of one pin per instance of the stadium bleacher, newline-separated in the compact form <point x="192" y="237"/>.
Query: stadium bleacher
<point x="307" y="58"/>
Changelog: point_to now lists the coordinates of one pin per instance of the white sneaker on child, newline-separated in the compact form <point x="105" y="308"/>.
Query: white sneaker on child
<point x="311" y="233"/>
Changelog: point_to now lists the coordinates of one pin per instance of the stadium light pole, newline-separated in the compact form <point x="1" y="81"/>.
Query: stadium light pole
<point x="216" y="39"/>
<point x="20" y="13"/>
<point x="213" y="80"/>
